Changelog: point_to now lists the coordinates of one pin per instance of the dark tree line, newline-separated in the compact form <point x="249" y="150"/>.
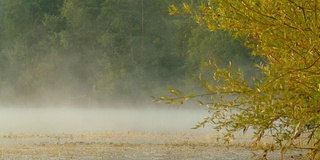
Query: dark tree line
<point x="107" y="49"/>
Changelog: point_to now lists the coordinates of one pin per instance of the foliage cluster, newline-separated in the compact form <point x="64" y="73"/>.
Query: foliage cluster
<point x="284" y="102"/>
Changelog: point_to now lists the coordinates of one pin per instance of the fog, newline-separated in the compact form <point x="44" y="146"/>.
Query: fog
<point x="75" y="120"/>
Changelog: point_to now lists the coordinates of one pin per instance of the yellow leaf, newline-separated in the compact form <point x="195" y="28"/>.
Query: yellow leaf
<point x="173" y="10"/>
<point x="187" y="8"/>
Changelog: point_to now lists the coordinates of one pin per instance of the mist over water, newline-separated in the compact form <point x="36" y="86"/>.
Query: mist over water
<point x="75" y="120"/>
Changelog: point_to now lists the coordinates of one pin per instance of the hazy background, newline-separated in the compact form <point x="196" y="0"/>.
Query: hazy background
<point x="75" y="120"/>
<point x="85" y="66"/>
<point x="107" y="51"/>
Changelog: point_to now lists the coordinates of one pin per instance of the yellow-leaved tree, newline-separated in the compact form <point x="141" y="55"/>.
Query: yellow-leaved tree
<point x="284" y="103"/>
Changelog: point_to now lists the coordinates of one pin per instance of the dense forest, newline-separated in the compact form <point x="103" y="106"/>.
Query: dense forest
<point x="108" y="50"/>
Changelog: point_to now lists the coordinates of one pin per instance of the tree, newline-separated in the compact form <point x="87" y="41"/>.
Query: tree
<point x="120" y="47"/>
<point x="284" y="102"/>
<point x="144" y="58"/>
<point x="124" y="49"/>
<point x="205" y="45"/>
<point x="22" y="41"/>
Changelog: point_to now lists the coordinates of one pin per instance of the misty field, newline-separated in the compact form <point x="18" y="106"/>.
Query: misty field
<point x="146" y="133"/>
